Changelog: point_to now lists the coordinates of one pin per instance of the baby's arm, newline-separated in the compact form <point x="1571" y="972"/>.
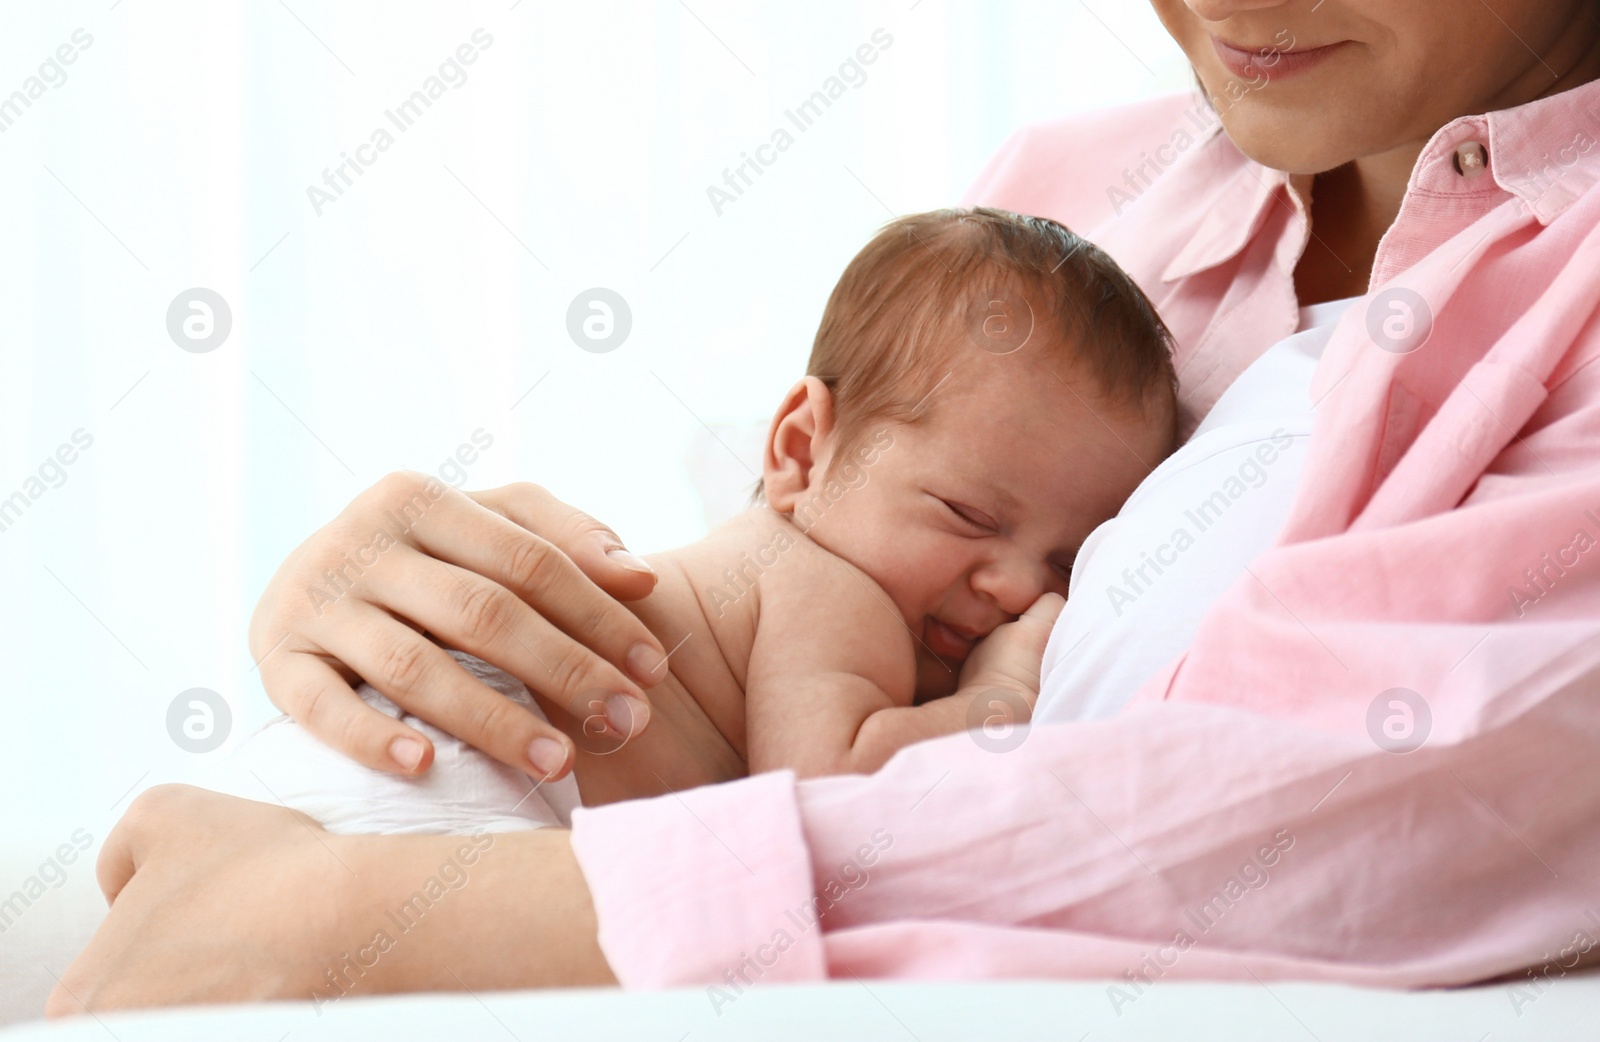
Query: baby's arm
<point x="832" y="675"/>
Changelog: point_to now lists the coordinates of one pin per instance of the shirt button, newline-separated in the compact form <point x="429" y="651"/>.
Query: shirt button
<point x="1471" y="159"/>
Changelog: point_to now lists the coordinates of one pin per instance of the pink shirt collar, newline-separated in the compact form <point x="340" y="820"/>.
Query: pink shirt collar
<point x="1545" y="153"/>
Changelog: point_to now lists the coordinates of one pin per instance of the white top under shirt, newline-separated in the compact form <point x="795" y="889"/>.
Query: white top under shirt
<point x="1143" y="580"/>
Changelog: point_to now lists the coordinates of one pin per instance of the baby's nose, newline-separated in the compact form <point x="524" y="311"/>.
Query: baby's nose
<point x="1012" y="583"/>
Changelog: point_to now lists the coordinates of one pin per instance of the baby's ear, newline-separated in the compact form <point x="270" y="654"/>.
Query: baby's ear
<point x="799" y="444"/>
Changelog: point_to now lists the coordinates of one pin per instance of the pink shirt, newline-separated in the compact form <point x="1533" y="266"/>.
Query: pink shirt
<point x="1254" y="810"/>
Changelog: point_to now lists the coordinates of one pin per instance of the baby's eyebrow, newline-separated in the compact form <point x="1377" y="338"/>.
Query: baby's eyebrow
<point x="1008" y="503"/>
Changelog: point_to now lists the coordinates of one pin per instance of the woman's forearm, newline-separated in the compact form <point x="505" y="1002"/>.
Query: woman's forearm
<point x="508" y="910"/>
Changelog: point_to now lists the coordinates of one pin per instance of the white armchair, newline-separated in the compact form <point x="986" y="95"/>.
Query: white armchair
<point x="48" y="910"/>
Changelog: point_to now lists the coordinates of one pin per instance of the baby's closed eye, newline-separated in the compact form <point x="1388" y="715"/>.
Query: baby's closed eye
<point x="974" y="519"/>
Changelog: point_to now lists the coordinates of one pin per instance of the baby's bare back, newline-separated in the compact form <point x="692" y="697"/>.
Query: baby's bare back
<point x="706" y="610"/>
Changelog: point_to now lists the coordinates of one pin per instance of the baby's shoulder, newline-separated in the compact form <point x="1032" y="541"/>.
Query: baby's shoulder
<point x="807" y="588"/>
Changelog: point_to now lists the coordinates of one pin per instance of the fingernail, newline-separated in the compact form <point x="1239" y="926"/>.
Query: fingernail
<point x="547" y="755"/>
<point x="630" y="561"/>
<point x="407" y="752"/>
<point x="626" y="715"/>
<point x="645" y="664"/>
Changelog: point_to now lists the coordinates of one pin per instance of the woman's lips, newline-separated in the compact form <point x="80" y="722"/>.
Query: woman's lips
<point x="946" y="642"/>
<point x="1271" y="63"/>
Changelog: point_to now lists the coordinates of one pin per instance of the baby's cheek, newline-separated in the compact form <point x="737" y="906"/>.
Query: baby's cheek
<point x="910" y="562"/>
<point x="911" y="577"/>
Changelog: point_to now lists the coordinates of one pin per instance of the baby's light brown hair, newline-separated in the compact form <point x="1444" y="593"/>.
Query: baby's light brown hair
<point x="926" y="285"/>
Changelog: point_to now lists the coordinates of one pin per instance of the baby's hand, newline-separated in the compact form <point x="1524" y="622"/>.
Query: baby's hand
<point x="1009" y="658"/>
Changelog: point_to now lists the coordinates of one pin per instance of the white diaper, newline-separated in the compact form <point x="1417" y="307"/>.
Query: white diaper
<point x="465" y="791"/>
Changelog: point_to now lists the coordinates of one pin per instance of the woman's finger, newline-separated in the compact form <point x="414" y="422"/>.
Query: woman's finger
<point x="417" y="675"/>
<point x="466" y="611"/>
<point x="324" y="703"/>
<point x="498" y="550"/>
<point x="116" y="863"/>
<point x="593" y="547"/>
<point x="410" y="554"/>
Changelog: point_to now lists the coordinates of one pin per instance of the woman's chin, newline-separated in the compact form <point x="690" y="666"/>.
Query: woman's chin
<point x="1289" y="139"/>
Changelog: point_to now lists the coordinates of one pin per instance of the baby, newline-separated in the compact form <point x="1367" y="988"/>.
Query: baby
<point x="984" y="390"/>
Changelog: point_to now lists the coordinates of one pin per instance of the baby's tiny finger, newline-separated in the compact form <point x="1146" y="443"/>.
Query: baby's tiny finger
<point x="1046" y="609"/>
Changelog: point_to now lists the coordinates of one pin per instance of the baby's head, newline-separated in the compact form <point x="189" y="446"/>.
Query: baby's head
<point x="984" y="390"/>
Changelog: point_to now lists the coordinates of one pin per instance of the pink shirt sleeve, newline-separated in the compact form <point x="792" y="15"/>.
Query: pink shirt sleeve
<point x="1181" y="839"/>
<point x="1374" y="765"/>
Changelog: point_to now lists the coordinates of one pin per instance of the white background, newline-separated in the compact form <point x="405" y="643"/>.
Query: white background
<point x="423" y="303"/>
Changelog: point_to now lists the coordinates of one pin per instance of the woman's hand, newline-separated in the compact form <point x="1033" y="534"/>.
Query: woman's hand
<point x="197" y="914"/>
<point x="218" y="899"/>
<point x="512" y="575"/>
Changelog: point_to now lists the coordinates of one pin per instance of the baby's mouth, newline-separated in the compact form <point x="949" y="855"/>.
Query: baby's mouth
<point x="947" y="642"/>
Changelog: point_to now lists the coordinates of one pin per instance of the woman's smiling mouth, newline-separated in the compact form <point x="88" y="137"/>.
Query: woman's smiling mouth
<point x="1270" y="63"/>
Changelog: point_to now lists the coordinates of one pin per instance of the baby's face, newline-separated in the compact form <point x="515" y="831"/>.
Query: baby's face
<point x="967" y="517"/>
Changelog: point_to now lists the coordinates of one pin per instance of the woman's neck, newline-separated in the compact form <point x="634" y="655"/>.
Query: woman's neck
<point x="1351" y="207"/>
